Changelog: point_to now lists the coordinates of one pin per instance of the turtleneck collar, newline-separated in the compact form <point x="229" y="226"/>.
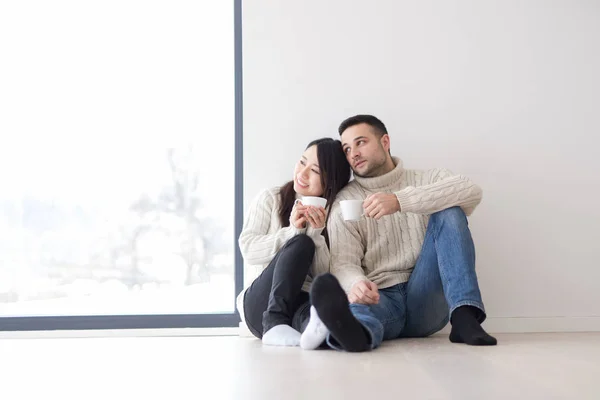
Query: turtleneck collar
<point x="385" y="181"/>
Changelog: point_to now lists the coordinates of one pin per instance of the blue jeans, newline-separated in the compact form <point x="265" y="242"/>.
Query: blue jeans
<point x="443" y="279"/>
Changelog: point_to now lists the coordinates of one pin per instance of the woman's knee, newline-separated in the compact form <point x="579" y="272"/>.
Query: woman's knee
<point x="301" y="242"/>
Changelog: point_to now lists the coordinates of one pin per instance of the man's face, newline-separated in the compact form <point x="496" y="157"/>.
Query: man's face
<point x="366" y="152"/>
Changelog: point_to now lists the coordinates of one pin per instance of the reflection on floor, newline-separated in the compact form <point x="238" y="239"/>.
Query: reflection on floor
<point x="523" y="366"/>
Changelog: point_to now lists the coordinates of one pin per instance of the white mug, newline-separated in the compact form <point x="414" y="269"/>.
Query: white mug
<point x="352" y="210"/>
<point x="314" y="201"/>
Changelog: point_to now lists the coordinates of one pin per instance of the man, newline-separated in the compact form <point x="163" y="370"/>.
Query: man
<point x="408" y="266"/>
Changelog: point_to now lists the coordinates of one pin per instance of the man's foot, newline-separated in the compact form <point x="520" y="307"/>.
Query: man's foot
<point x="315" y="333"/>
<point x="331" y="303"/>
<point x="281" y="335"/>
<point x="466" y="328"/>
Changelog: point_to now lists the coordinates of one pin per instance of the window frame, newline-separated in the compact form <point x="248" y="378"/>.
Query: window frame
<point x="160" y="321"/>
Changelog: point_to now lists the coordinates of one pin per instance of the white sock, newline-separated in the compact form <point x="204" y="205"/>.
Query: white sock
<point x="315" y="333"/>
<point x="281" y="335"/>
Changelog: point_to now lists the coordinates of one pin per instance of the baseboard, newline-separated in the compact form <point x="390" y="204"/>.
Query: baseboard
<point x="519" y="325"/>
<point x="492" y="325"/>
<point x="109" y="333"/>
<point x="539" y="324"/>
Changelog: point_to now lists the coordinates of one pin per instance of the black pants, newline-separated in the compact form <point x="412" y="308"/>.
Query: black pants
<point x="276" y="296"/>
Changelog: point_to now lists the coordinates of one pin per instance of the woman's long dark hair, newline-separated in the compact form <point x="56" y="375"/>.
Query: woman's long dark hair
<point x="335" y="174"/>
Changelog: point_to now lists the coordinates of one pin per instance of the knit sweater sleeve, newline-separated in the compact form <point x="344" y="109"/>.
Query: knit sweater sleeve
<point x="321" y="259"/>
<point x="347" y="250"/>
<point x="442" y="190"/>
<point x="256" y="244"/>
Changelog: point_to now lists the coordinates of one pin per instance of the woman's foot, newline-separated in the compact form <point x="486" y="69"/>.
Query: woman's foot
<point x="281" y="335"/>
<point x="315" y="333"/>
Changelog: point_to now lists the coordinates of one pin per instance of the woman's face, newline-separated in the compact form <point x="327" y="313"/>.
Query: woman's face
<point x="307" y="174"/>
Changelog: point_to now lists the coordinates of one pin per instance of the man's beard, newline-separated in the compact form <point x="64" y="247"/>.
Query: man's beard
<point x="378" y="166"/>
<point x="372" y="170"/>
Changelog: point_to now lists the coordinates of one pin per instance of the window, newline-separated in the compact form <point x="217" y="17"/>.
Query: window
<point x="121" y="134"/>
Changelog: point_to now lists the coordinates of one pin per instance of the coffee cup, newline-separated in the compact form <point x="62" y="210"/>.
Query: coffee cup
<point x="352" y="210"/>
<point x="314" y="201"/>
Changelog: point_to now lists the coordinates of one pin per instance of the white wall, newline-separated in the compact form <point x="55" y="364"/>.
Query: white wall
<point x="506" y="92"/>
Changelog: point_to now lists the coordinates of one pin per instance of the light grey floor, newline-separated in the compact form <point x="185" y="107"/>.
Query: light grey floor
<point x="524" y="366"/>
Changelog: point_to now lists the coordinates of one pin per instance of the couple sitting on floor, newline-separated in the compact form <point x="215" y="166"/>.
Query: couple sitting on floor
<point x="404" y="269"/>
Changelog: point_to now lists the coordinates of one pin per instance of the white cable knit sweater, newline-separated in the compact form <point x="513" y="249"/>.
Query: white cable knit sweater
<point x="385" y="251"/>
<point x="262" y="236"/>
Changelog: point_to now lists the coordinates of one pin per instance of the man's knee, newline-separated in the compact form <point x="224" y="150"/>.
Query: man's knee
<point x="426" y="328"/>
<point x="453" y="216"/>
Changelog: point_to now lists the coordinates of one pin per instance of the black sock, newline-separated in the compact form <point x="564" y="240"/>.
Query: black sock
<point x="467" y="329"/>
<point x="331" y="302"/>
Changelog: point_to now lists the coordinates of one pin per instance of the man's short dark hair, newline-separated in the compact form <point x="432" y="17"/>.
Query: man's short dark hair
<point x="370" y="120"/>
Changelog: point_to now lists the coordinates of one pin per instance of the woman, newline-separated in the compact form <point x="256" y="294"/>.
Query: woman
<point x="286" y="241"/>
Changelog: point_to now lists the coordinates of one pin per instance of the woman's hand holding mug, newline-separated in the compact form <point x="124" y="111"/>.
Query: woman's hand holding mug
<point x="297" y="217"/>
<point x="316" y="216"/>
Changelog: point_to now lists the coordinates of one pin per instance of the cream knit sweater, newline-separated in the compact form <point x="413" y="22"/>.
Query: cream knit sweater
<point x="262" y="236"/>
<point x="385" y="251"/>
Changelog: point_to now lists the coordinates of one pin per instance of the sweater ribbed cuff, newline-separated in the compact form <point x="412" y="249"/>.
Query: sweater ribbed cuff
<point x="347" y="283"/>
<point x="297" y="231"/>
<point x="314" y="232"/>
<point x="407" y="204"/>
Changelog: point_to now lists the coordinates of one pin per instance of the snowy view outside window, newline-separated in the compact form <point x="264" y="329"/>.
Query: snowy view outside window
<point x="117" y="157"/>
